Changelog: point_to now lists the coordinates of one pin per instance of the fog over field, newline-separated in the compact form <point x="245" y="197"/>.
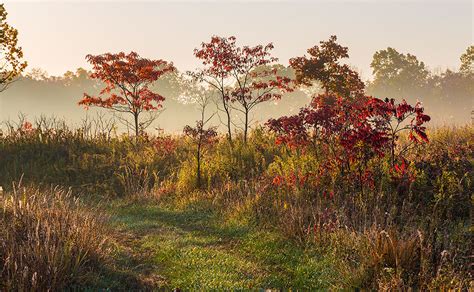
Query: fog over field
<point x="35" y="96"/>
<point x="436" y="33"/>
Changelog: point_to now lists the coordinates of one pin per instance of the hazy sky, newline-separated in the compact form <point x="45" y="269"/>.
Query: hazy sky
<point x="56" y="36"/>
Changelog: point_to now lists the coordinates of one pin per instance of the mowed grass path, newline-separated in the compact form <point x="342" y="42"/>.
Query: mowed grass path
<point x="192" y="248"/>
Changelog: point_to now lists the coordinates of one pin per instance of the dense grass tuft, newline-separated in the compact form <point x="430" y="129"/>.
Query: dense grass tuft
<point x="48" y="240"/>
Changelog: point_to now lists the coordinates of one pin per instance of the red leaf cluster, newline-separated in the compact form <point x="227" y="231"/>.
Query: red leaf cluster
<point x="291" y="180"/>
<point x="126" y="78"/>
<point x="253" y="83"/>
<point x="200" y="134"/>
<point x="355" y="128"/>
<point x="165" y="145"/>
<point x="27" y="127"/>
<point x="402" y="174"/>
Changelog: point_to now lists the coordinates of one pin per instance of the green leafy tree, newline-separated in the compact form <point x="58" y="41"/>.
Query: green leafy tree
<point x="467" y="61"/>
<point x="324" y="65"/>
<point x="11" y="55"/>
<point x="397" y="75"/>
<point x="452" y="92"/>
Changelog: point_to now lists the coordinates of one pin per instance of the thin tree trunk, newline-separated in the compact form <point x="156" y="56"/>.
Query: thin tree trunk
<point x="392" y="151"/>
<point x="137" y="126"/>
<point x="246" y="125"/>
<point x="198" y="169"/>
<point x="229" y="130"/>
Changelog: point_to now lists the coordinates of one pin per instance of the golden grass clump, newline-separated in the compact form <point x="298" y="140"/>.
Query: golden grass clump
<point x="48" y="240"/>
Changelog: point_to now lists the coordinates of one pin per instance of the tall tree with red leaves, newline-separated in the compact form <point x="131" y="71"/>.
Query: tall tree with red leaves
<point x="127" y="78"/>
<point x="242" y="76"/>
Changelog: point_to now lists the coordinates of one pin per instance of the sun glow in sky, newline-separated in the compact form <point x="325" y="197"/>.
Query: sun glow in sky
<point x="56" y="36"/>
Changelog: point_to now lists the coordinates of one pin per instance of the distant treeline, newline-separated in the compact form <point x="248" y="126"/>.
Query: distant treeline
<point x="447" y="96"/>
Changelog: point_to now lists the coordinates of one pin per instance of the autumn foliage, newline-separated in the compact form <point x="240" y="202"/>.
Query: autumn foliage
<point x="343" y="124"/>
<point x="360" y="125"/>
<point x="127" y="78"/>
<point x="343" y="116"/>
<point x="323" y="66"/>
<point x="201" y="137"/>
<point x="11" y="54"/>
<point x="350" y="182"/>
<point x="242" y="75"/>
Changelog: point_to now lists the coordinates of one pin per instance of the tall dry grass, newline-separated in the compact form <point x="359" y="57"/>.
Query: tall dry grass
<point x="48" y="240"/>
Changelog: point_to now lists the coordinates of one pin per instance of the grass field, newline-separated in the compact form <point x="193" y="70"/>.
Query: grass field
<point x="192" y="248"/>
<point x="128" y="215"/>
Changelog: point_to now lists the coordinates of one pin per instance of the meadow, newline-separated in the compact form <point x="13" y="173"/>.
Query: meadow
<point x="294" y="177"/>
<point x="92" y="209"/>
